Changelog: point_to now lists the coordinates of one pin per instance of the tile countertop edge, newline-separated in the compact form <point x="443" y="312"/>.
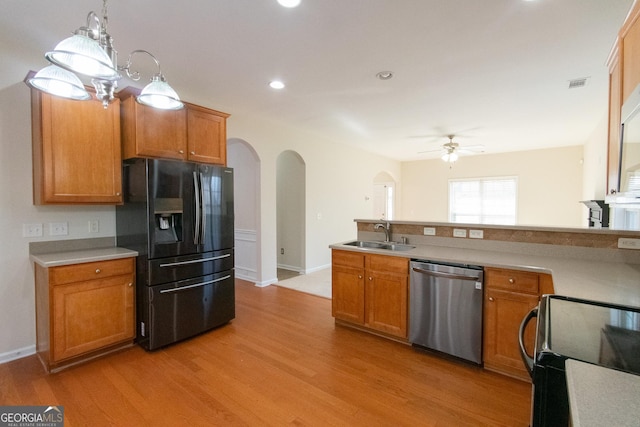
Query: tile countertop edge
<point x="55" y="259"/>
<point x="612" y="282"/>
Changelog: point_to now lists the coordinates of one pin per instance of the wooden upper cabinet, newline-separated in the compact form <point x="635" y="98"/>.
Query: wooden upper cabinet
<point x="151" y="132"/>
<point x="630" y="52"/>
<point x="76" y="151"/>
<point x="194" y="133"/>
<point x="206" y="135"/>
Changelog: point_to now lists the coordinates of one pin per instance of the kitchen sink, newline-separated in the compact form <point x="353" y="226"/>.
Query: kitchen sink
<point x="391" y="246"/>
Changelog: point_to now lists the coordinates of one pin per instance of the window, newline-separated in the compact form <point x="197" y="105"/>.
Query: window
<point x="483" y="200"/>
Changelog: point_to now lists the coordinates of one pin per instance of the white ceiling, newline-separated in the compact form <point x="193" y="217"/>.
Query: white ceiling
<point x="493" y="72"/>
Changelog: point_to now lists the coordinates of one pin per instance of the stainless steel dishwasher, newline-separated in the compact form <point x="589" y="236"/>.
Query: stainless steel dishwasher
<point x="445" y="312"/>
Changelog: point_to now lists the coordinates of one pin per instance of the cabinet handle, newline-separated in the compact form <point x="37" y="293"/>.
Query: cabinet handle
<point x="512" y="280"/>
<point x="491" y="299"/>
<point x="97" y="271"/>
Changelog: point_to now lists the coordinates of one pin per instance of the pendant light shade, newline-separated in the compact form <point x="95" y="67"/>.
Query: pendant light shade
<point x="159" y="94"/>
<point x="59" y="82"/>
<point x="90" y="53"/>
<point x="85" y="56"/>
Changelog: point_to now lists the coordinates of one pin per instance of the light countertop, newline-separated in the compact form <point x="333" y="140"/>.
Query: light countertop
<point x="588" y="278"/>
<point x="601" y="396"/>
<point x="54" y="259"/>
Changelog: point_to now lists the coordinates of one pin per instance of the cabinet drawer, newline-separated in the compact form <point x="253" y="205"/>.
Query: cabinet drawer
<point x="90" y="271"/>
<point x="348" y="259"/>
<point x="385" y="263"/>
<point x="511" y="280"/>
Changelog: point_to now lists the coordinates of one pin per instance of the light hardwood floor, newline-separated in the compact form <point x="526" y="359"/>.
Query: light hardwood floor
<point x="282" y="361"/>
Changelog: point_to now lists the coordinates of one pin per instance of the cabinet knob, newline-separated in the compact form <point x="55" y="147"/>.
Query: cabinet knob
<point x="193" y="153"/>
<point x="370" y="278"/>
<point x="512" y="280"/>
<point x="491" y="299"/>
<point x="359" y="276"/>
<point x="130" y="284"/>
<point x="117" y="194"/>
<point x="97" y="271"/>
<point x="181" y="151"/>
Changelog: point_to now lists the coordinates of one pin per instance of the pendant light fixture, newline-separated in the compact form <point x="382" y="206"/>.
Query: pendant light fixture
<point x="90" y="53"/>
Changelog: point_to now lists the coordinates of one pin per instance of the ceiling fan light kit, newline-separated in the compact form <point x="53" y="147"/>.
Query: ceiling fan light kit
<point x="90" y="53"/>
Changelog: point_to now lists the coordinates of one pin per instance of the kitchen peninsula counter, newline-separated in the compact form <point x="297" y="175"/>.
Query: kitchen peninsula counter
<point x="597" y="274"/>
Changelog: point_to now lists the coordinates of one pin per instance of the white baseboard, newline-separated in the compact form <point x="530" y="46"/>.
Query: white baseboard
<point x="17" y="354"/>
<point x="313" y="270"/>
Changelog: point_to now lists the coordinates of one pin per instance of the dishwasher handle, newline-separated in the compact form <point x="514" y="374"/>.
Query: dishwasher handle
<point x="528" y="360"/>
<point x="446" y="275"/>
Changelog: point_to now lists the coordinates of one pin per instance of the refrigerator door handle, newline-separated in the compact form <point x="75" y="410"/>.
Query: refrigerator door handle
<point x="196" y="285"/>
<point x="198" y="209"/>
<point x="195" y="261"/>
<point x="203" y="227"/>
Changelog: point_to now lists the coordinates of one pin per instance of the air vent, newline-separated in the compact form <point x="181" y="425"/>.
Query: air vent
<point x="576" y="83"/>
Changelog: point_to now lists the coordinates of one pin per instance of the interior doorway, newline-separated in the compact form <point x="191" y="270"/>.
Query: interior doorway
<point x="384" y="196"/>
<point x="290" y="212"/>
<point x="244" y="160"/>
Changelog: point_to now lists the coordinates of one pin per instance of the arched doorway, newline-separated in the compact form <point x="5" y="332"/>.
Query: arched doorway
<point x="290" y="212"/>
<point x="246" y="164"/>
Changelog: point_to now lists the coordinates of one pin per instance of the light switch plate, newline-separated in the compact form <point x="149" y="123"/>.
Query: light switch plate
<point x="429" y="231"/>
<point x="58" y="229"/>
<point x="459" y="232"/>
<point x="628" y="243"/>
<point x="31" y="230"/>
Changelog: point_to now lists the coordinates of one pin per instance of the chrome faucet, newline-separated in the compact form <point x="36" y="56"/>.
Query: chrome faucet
<point x="386" y="228"/>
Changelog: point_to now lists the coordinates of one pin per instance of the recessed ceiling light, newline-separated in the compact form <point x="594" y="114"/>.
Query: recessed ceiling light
<point x="289" y="3"/>
<point x="384" y="75"/>
<point x="276" y="84"/>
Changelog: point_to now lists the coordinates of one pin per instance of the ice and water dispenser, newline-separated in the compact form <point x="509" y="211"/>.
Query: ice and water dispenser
<point x="168" y="220"/>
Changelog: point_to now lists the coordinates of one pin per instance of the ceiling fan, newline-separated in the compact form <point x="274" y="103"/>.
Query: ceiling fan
<point x="451" y="150"/>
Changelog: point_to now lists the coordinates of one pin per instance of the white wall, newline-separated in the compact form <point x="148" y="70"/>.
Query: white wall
<point x="595" y="164"/>
<point x="17" y="314"/>
<point x="338" y="180"/>
<point x="290" y="204"/>
<point x="549" y="185"/>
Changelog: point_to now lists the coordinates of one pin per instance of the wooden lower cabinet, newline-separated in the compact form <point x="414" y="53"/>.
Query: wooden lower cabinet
<point x="84" y="310"/>
<point x="509" y="296"/>
<point x="371" y="290"/>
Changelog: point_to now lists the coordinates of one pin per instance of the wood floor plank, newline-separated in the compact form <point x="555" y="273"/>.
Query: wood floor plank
<point x="282" y="361"/>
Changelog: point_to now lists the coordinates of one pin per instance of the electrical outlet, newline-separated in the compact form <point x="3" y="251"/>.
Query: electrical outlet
<point x="94" y="226"/>
<point x="31" y="230"/>
<point x="459" y="232"/>
<point x="476" y="234"/>
<point x="429" y="231"/>
<point x="58" y="228"/>
<point x="281" y="251"/>
<point x="628" y="243"/>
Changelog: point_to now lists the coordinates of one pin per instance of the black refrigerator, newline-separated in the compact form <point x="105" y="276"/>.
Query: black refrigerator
<point x="179" y="217"/>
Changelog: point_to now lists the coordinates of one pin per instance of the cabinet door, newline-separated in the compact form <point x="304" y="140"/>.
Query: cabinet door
<point x="386" y="303"/>
<point x="76" y="151"/>
<point x="630" y="36"/>
<point x="503" y="313"/>
<point x="87" y="316"/>
<point x="347" y="299"/>
<point x="206" y="136"/>
<point x="150" y="132"/>
<point x="615" y="104"/>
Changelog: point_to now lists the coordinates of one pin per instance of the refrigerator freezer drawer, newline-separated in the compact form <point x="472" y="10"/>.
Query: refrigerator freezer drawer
<point x="174" y="269"/>
<point x="176" y="311"/>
